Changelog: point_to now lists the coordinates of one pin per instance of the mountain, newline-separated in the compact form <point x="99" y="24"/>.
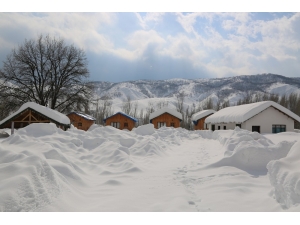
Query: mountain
<point x="197" y="90"/>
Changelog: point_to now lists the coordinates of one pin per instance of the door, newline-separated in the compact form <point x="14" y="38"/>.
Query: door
<point x="256" y="128"/>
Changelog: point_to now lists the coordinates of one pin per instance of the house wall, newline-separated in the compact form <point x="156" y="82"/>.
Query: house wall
<point x="229" y="126"/>
<point x="119" y="118"/>
<point x="267" y="118"/>
<point x="166" y="118"/>
<point x="201" y="124"/>
<point x="76" y="119"/>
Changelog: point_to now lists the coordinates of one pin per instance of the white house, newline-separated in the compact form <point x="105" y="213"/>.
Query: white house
<point x="263" y="117"/>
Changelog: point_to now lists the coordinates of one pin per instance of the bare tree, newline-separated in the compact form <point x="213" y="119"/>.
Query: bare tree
<point x="48" y="72"/>
<point x="103" y="110"/>
<point x="162" y="104"/>
<point x="180" y="99"/>
<point x="134" y="110"/>
<point x="208" y="104"/>
<point x="127" y="105"/>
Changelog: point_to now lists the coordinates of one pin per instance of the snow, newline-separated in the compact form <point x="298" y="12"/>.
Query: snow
<point x="283" y="89"/>
<point x="165" y="110"/>
<point x="43" y="168"/>
<point x="284" y="176"/>
<point x="241" y="113"/>
<point x="202" y="114"/>
<point x="52" y="114"/>
<point x="124" y="114"/>
<point x="83" y="115"/>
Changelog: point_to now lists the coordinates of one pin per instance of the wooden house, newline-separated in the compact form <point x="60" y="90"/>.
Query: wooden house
<point x="199" y="118"/>
<point x="165" y="117"/>
<point x="262" y="117"/>
<point x="121" y="121"/>
<point x="81" y="120"/>
<point x="31" y="112"/>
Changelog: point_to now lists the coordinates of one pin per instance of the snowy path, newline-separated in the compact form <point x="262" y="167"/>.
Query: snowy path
<point x="179" y="181"/>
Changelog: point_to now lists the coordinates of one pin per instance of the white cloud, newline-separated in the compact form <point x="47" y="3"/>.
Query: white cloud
<point x="145" y="21"/>
<point x="77" y="28"/>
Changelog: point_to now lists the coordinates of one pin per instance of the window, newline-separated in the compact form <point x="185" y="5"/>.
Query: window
<point x="219" y="127"/>
<point x="79" y="124"/>
<point x="224" y="127"/>
<point x="125" y="124"/>
<point x="206" y="126"/>
<point x="212" y="127"/>
<point x="161" y="124"/>
<point x="172" y="124"/>
<point x="239" y="125"/>
<point x="256" y="129"/>
<point x="115" y="124"/>
<point x="278" y="128"/>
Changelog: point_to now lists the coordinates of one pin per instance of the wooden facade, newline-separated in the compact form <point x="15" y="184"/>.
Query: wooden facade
<point x="81" y="121"/>
<point x="200" y="125"/>
<point x="28" y="116"/>
<point x="167" y="119"/>
<point x="121" y="121"/>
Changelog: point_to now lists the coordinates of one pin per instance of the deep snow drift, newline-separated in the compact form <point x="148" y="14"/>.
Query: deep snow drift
<point x="43" y="168"/>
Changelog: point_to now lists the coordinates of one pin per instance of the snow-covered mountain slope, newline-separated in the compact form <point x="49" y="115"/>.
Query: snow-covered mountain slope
<point x="198" y="90"/>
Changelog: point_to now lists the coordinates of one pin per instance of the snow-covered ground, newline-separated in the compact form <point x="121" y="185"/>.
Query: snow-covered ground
<point x="43" y="168"/>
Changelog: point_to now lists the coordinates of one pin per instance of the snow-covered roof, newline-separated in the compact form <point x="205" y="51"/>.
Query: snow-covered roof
<point x="83" y="115"/>
<point x="165" y="110"/>
<point x="50" y="113"/>
<point x="241" y="113"/>
<point x="201" y="114"/>
<point x="124" y="114"/>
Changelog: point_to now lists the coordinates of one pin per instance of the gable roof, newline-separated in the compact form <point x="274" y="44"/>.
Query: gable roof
<point x="83" y="115"/>
<point x="201" y="114"/>
<point x="241" y="113"/>
<point x="124" y="114"/>
<point x="47" y="112"/>
<point x="161" y="111"/>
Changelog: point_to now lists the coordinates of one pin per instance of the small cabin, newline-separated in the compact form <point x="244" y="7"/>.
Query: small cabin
<point x="81" y="120"/>
<point x="262" y="117"/>
<point x="165" y="117"/>
<point x="199" y="118"/>
<point x="32" y="112"/>
<point x="121" y="121"/>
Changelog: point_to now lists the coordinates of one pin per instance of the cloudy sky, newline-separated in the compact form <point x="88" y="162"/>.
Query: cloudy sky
<point x="129" y="46"/>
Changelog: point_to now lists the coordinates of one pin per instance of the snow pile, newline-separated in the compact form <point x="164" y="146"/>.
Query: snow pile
<point x="147" y="129"/>
<point x="251" y="151"/>
<point x="284" y="175"/>
<point x="41" y="161"/>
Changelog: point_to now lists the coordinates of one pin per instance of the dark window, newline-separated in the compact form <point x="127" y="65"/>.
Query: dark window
<point x="125" y="124"/>
<point x="278" y="128"/>
<point x="172" y="124"/>
<point x="224" y="127"/>
<point x="239" y="125"/>
<point x="80" y="124"/>
<point x="256" y="129"/>
<point x="212" y="127"/>
<point x="206" y="126"/>
<point x="115" y="124"/>
<point x="161" y="124"/>
<point x="219" y="127"/>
